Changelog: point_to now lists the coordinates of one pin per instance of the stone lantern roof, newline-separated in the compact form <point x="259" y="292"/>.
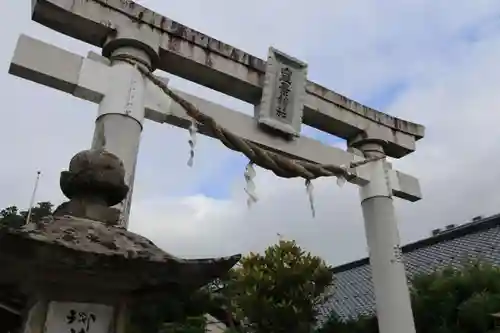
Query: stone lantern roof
<point x="83" y="245"/>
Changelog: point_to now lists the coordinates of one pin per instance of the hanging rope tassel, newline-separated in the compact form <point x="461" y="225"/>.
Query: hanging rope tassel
<point x="193" y="129"/>
<point x="310" y="189"/>
<point x="250" y="185"/>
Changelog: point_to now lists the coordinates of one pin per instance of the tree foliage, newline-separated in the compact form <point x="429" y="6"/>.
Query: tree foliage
<point x="179" y="312"/>
<point x="363" y="324"/>
<point x="279" y="290"/>
<point x="196" y="324"/>
<point x="12" y="217"/>
<point x="450" y="300"/>
<point x="457" y="300"/>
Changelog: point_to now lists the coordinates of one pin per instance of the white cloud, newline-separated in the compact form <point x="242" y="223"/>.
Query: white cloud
<point x="446" y="54"/>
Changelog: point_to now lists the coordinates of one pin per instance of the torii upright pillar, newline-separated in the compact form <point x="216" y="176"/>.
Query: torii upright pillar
<point x="121" y="111"/>
<point x="392" y="297"/>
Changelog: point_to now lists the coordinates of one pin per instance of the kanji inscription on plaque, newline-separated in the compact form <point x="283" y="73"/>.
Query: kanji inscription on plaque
<point x="69" y="317"/>
<point x="282" y="101"/>
<point x="284" y="88"/>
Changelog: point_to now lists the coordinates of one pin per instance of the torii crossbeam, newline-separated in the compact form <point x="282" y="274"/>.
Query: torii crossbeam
<point x="125" y="97"/>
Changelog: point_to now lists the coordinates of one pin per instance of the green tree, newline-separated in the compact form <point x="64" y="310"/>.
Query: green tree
<point x="458" y="300"/>
<point x="189" y="325"/>
<point x="364" y="324"/>
<point x="279" y="290"/>
<point x="179" y="312"/>
<point x="38" y="212"/>
<point x="12" y="217"/>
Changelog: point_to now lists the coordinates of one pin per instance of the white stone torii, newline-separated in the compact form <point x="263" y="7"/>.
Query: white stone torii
<point x="125" y="98"/>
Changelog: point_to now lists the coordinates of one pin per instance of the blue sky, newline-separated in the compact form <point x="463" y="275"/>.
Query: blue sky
<point x="417" y="59"/>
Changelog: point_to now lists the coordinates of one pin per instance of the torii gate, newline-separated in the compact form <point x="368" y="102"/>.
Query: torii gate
<point x="138" y="41"/>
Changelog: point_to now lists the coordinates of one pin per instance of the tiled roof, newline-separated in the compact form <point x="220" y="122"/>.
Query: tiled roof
<point x="352" y="294"/>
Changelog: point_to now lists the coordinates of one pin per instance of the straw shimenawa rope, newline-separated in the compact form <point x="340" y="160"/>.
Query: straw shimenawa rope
<point x="280" y="165"/>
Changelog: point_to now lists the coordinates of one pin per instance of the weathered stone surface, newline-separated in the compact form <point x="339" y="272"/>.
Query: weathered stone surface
<point x="92" y="253"/>
<point x="95" y="237"/>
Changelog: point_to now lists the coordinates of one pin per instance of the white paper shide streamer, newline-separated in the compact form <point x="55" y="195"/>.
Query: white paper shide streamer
<point x="193" y="129"/>
<point x="250" y="185"/>
<point x="341" y="179"/>
<point x="310" y="189"/>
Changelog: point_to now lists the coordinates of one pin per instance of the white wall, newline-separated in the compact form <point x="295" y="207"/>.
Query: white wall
<point x="214" y="325"/>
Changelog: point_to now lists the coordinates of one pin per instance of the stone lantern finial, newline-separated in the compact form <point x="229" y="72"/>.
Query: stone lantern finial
<point x="94" y="183"/>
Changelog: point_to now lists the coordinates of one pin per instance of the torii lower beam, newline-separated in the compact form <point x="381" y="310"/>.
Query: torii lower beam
<point x="90" y="78"/>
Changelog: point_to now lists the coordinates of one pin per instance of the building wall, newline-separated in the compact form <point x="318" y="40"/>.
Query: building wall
<point x="214" y="325"/>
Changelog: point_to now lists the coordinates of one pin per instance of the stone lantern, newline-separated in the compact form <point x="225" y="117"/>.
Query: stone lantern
<point x="79" y="270"/>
